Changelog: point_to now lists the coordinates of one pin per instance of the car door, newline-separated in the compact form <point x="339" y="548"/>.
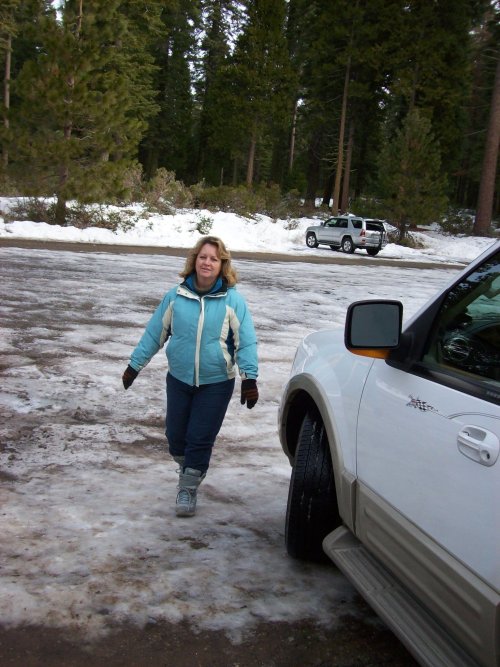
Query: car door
<point x="428" y="459"/>
<point x="328" y="231"/>
<point x="337" y="231"/>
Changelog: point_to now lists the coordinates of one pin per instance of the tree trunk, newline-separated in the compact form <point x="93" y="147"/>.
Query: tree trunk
<point x="292" y="138"/>
<point x="340" y="156"/>
<point x="344" y="202"/>
<point x="327" y="191"/>
<point x="60" y="212"/>
<point x="235" y="171"/>
<point x="488" y="174"/>
<point x="149" y="159"/>
<point x="251" y="157"/>
<point x="313" y="167"/>
<point x="6" y="97"/>
<point x="402" y="231"/>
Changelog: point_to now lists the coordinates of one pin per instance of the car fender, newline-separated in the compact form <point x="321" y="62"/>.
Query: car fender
<point x="337" y="382"/>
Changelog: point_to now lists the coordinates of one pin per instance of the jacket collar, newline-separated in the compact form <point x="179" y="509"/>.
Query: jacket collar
<point x="219" y="287"/>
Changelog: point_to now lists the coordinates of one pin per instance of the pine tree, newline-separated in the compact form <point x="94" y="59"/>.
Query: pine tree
<point x="169" y="140"/>
<point x="285" y="141"/>
<point x="429" y="66"/>
<point x="343" y="81"/>
<point x="218" y="18"/>
<point x="79" y="121"/>
<point x="410" y="179"/>
<point x="255" y="86"/>
<point x="16" y="17"/>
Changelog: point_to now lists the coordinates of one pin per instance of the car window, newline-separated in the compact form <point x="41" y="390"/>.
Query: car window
<point x="340" y="223"/>
<point x="357" y="224"/>
<point x="466" y="334"/>
<point x="375" y="226"/>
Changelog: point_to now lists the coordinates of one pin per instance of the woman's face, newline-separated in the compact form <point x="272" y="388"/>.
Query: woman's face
<point x="208" y="265"/>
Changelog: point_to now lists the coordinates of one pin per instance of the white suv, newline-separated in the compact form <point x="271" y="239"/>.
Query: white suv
<point x="347" y="232"/>
<point x="394" y="439"/>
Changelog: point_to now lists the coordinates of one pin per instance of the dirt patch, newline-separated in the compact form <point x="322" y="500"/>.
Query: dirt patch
<point x="352" y="644"/>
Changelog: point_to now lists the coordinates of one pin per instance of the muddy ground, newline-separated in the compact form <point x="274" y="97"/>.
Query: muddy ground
<point x="354" y="642"/>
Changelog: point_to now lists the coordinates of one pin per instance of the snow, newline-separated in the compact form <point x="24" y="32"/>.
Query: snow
<point x="89" y="536"/>
<point x="261" y="234"/>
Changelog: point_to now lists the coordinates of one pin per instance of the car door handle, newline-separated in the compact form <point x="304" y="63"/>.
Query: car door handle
<point x="479" y="445"/>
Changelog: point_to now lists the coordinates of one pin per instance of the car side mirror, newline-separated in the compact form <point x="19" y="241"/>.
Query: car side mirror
<point x="373" y="328"/>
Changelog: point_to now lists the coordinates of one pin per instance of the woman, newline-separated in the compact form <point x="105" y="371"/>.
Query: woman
<point x="209" y="329"/>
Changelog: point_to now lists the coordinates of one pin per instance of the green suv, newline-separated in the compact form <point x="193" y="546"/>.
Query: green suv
<point x="348" y="232"/>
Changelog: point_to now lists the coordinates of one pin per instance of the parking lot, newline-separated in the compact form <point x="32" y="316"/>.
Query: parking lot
<point x="96" y="567"/>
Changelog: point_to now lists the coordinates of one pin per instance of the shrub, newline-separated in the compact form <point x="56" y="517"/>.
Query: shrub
<point x="410" y="241"/>
<point x="289" y="206"/>
<point x="83" y="216"/>
<point x="204" y="224"/>
<point x="133" y="184"/>
<point x="248" y="202"/>
<point x="8" y="187"/>
<point x="240" y="199"/>
<point x="32" y="208"/>
<point x="163" y="194"/>
<point x="77" y="215"/>
<point x="457" y="223"/>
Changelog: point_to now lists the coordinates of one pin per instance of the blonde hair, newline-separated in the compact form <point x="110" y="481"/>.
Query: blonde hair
<point x="228" y="273"/>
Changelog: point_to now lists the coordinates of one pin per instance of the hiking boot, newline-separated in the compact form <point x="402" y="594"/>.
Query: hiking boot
<point x="189" y="481"/>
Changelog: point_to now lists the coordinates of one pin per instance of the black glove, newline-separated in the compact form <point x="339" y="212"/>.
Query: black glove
<point x="129" y="376"/>
<point x="249" y="393"/>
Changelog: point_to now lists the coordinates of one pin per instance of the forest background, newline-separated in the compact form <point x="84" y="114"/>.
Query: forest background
<point x="386" y="108"/>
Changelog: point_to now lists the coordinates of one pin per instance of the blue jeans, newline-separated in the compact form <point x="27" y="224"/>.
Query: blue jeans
<point x="194" y="418"/>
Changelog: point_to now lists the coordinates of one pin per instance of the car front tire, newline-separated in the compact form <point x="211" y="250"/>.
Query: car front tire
<point x="312" y="510"/>
<point x="311" y="241"/>
<point x="347" y="245"/>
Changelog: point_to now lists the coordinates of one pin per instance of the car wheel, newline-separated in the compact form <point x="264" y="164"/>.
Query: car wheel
<point x="312" y="510"/>
<point x="347" y="245"/>
<point x="373" y="251"/>
<point x="311" y="241"/>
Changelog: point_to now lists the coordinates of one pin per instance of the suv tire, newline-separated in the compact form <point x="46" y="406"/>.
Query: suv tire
<point x="373" y="251"/>
<point x="347" y="245"/>
<point x="311" y="241"/>
<point x="312" y="499"/>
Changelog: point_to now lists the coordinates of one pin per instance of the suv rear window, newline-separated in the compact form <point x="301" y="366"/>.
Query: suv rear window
<point x="357" y="224"/>
<point x="375" y="226"/>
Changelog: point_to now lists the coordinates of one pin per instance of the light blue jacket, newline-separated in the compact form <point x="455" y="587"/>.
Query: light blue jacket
<point x="206" y="335"/>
